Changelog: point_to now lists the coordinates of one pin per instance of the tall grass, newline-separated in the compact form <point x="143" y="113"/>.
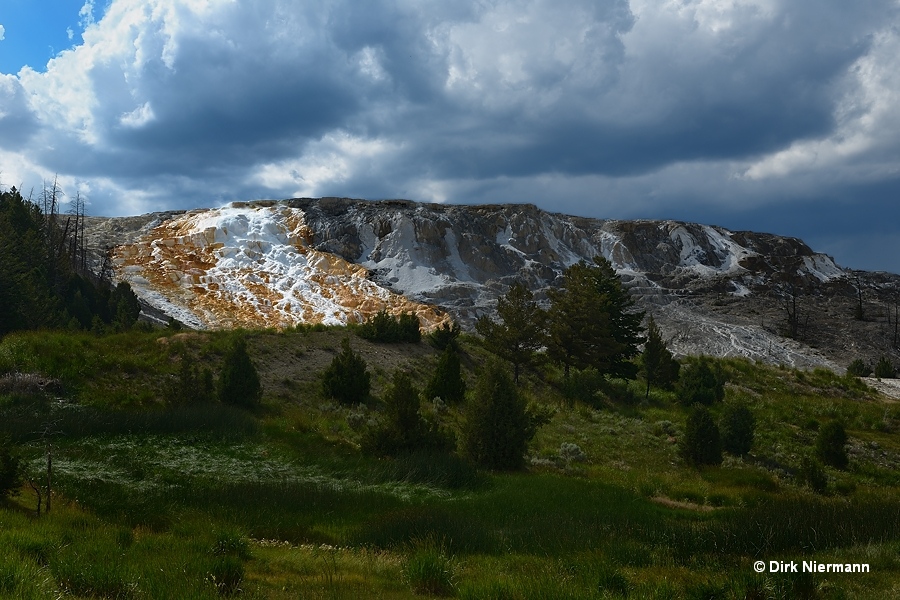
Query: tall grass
<point x="26" y="419"/>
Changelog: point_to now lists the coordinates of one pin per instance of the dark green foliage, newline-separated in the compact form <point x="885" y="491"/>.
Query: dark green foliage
<point x="447" y="383"/>
<point x="701" y="382"/>
<point x="238" y="381"/>
<point x="40" y="286"/>
<point x="813" y="475"/>
<point x="124" y="307"/>
<point x="430" y="571"/>
<point x="520" y="331"/>
<point x="498" y="426"/>
<point x="227" y="575"/>
<point x="403" y="429"/>
<point x="347" y="378"/>
<point x="831" y="445"/>
<point x="583" y="385"/>
<point x="10" y="469"/>
<point x="737" y="426"/>
<point x="658" y="365"/>
<point x="858" y="368"/>
<point x="618" y="391"/>
<point x="613" y="582"/>
<point x="591" y="322"/>
<point x="192" y="385"/>
<point x="385" y="328"/>
<point x="701" y="443"/>
<point x="440" y="469"/>
<point x="884" y="369"/>
<point x="445" y="336"/>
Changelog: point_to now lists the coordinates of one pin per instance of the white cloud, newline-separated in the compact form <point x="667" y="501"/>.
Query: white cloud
<point x="139" y="117"/>
<point x="325" y="164"/>
<point x="2" y="33"/>
<point x="86" y="14"/>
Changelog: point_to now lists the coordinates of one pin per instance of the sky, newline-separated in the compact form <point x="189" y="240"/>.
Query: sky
<point x="781" y="116"/>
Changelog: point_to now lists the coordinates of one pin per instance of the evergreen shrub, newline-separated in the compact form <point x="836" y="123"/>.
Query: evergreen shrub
<point x="701" y="443"/>
<point x="347" y="378"/>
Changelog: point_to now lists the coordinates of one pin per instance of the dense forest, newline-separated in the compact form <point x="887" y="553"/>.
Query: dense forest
<point x="44" y="279"/>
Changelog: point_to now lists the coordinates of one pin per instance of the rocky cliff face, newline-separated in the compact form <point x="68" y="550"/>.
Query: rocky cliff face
<point x="460" y="257"/>
<point x="338" y="260"/>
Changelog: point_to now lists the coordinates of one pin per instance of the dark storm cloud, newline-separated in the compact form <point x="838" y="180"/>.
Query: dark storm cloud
<point x="624" y="108"/>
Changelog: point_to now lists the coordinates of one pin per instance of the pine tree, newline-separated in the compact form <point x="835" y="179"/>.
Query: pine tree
<point x="520" y="331"/>
<point x="191" y="385"/>
<point x="737" y="426"/>
<point x="701" y="382"/>
<point x="445" y="335"/>
<point x="497" y="427"/>
<point x="383" y="327"/>
<point x="592" y="322"/>
<point x="347" y="378"/>
<point x="403" y="429"/>
<point x="884" y="369"/>
<point x="831" y="445"/>
<point x="447" y="383"/>
<point x="701" y="443"/>
<point x="124" y="307"/>
<point x="659" y="366"/>
<point x="239" y="382"/>
<point x="858" y="368"/>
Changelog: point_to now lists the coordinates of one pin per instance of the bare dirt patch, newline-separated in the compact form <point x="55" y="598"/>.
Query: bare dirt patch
<point x="668" y="502"/>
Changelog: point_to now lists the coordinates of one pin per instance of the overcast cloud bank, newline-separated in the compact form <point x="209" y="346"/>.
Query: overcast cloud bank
<point x="761" y="114"/>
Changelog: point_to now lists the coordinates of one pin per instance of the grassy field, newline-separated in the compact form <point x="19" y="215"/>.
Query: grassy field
<point x="204" y="501"/>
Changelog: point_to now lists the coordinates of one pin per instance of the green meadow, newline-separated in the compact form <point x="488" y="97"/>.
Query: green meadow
<point x="152" y="499"/>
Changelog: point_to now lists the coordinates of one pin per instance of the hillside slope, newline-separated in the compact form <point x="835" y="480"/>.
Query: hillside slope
<point x="338" y="260"/>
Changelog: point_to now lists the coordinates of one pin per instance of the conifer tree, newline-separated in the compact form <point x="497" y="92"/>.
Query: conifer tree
<point x="383" y="327"/>
<point x="347" y="378"/>
<point x="239" y="382"/>
<point x="447" y="383"/>
<point x="403" y="429"/>
<point x="737" y="426"/>
<point x="498" y="425"/>
<point x="592" y="322"/>
<point x="701" y="443"/>
<point x="701" y="382"/>
<point x="520" y="331"/>
<point x="858" y="368"/>
<point x="659" y="366"/>
<point x="445" y="335"/>
<point x="831" y="445"/>
<point x="884" y="369"/>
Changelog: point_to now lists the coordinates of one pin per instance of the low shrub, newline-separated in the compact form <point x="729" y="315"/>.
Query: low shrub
<point x="813" y="475"/>
<point x="884" y="369"/>
<point x="612" y="582"/>
<point x="831" y="445"/>
<point x="858" y="368"/>
<point x="383" y="327"/>
<point x="701" y="382"/>
<point x="737" y="426"/>
<point x="347" y="378"/>
<point x="701" y="443"/>
<point x="429" y="570"/>
<point x="227" y="575"/>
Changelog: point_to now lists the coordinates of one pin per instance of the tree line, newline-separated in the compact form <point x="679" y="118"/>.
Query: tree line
<point x="44" y="277"/>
